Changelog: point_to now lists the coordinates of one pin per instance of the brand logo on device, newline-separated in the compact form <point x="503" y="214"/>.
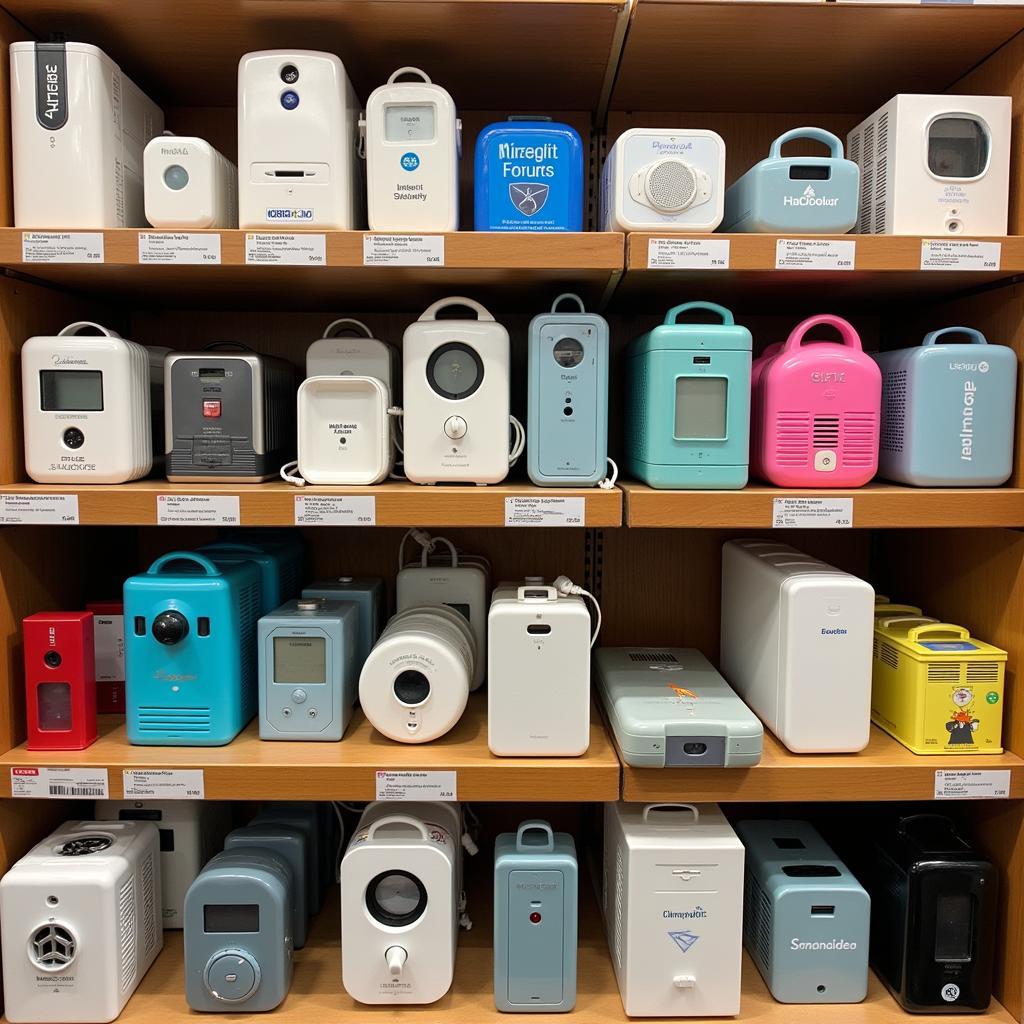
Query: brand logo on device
<point x="810" y="198"/>
<point x="834" y="632"/>
<point x="967" y="420"/>
<point x="51" y="86"/>
<point x="174" y="150"/>
<point x="697" y="913"/>
<point x="671" y="147"/>
<point x="828" y="376"/>
<point x="684" y="940"/>
<point x="282" y="213"/>
<point x="68" y="361"/>
<point x="981" y="367"/>
<point x="529" y="199"/>
<point x="839" y="945"/>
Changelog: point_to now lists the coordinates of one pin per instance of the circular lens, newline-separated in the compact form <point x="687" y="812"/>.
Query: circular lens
<point x="568" y="352"/>
<point x="175" y="177"/>
<point x="412" y="687"/>
<point x="73" y="437"/>
<point x="289" y="100"/>
<point x="289" y="74"/>
<point x="455" y="370"/>
<point x="396" y="898"/>
<point x="170" y="628"/>
<point x="52" y="658"/>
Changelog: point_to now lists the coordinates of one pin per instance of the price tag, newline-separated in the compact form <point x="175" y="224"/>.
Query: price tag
<point x="814" y="254"/>
<point x="416" y="785"/>
<point x="188" y="247"/>
<point x="812" y="513"/>
<point x="957" y="254"/>
<point x="60" y="783"/>
<point x="403" y="250"/>
<point x="39" y="509"/>
<point x="688" y="254"/>
<point x="335" y="510"/>
<point x="529" y="511"/>
<point x="281" y="250"/>
<point x="62" y="246"/>
<point x="164" y="784"/>
<point x="989" y="784"/>
<point x="197" y="510"/>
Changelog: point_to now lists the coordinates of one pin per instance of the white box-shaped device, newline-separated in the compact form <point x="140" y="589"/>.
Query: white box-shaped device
<point x="80" y="922"/>
<point x="796" y="645"/>
<point x="673" y="908"/>
<point x="664" y="179"/>
<point x="348" y="347"/>
<point x="538" y="672"/>
<point x="934" y="165"/>
<point x="189" y="184"/>
<point x="298" y="124"/>
<point x="78" y="129"/>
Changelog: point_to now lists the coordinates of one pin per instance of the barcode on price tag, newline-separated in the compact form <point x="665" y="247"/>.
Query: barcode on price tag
<point x="60" y="783"/>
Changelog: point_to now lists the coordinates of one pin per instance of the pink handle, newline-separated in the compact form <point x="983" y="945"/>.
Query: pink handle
<point x="847" y="334"/>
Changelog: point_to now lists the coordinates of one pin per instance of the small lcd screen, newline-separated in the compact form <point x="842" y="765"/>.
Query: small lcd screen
<point x="957" y="147"/>
<point x="300" y="659"/>
<point x="953" y="927"/>
<point x="219" y="918"/>
<point x="462" y="609"/>
<point x="809" y="172"/>
<point x="700" y="407"/>
<point x="211" y="374"/>
<point x="410" y="122"/>
<point x="71" y="390"/>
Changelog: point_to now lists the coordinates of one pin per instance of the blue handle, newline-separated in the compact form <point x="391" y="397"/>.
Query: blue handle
<point x="535" y="825"/>
<point x="973" y="337"/>
<point x="184" y="556"/>
<point x="833" y="142"/>
<point x="673" y="314"/>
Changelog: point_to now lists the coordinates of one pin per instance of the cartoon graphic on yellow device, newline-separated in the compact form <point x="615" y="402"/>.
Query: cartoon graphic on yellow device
<point x="962" y="725"/>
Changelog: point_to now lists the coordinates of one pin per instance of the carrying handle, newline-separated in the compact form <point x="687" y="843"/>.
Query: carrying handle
<point x="533" y="827"/>
<point x="833" y="142"/>
<point x="891" y="620"/>
<point x="550" y="594"/>
<point x="673" y="314"/>
<point x="973" y="337"/>
<point x="888" y="608"/>
<point x="423" y="76"/>
<point x="568" y="295"/>
<point x="669" y="809"/>
<point x="338" y="327"/>
<point x="217" y="345"/>
<point x="909" y="821"/>
<point x="195" y="558"/>
<point x="87" y="327"/>
<point x="430" y="313"/>
<point x="939" y="627"/>
<point x="399" y="819"/>
<point x="847" y="332"/>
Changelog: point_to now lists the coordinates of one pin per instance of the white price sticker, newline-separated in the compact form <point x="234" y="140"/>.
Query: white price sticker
<point x="416" y="786"/>
<point x="812" y="513"/>
<point x="335" y="510"/>
<point x="281" y="250"/>
<point x="60" y="783"/>
<point x="814" y="254"/>
<point x="39" y="509"/>
<point x="956" y="254"/>
<point x="521" y="510"/>
<point x="403" y="250"/>
<point x="688" y="254"/>
<point x="197" y="510"/>
<point x="62" y="246"/>
<point x="987" y="784"/>
<point x="185" y="247"/>
<point x="164" y="784"/>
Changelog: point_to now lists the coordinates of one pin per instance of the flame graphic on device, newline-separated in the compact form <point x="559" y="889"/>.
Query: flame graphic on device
<point x="681" y="691"/>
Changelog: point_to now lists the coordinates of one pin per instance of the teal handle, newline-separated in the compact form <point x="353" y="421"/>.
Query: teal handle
<point x="973" y="337"/>
<point x="535" y="825"/>
<point x="673" y="314"/>
<point x="833" y="142"/>
<point x="184" y="556"/>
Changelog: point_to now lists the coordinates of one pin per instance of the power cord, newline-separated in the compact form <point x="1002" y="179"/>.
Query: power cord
<point x="609" y="481"/>
<point x="565" y="587"/>
<point x="519" y="443"/>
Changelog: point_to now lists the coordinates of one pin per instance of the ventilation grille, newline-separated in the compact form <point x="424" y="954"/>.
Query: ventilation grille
<point x="191" y="721"/>
<point x="149" y="915"/>
<point x="867" y="179"/>
<point x="52" y="947"/>
<point x="894" y="411"/>
<point x="290" y="578"/>
<point x="852" y="435"/>
<point x="945" y="672"/>
<point x="654" y="657"/>
<point x="879" y="172"/>
<point x="637" y="439"/>
<point x="888" y="655"/>
<point x="983" y="672"/>
<point x="127" y="930"/>
<point x="671" y="185"/>
<point x="792" y="438"/>
<point x="617" y="923"/>
<point x="826" y="432"/>
<point x="182" y="461"/>
<point x="859" y="439"/>
<point x="757" y="921"/>
<point x="249" y="613"/>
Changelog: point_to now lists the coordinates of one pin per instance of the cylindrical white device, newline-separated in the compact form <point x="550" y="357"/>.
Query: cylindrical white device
<point x="189" y="184"/>
<point x="415" y="683"/>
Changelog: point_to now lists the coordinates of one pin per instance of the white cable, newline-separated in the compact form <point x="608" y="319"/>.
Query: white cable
<point x="421" y="537"/>
<point x="341" y="843"/>
<point x="519" y="443"/>
<point x="290" y="475"/>
<point x="468" y="845"/>
<point x="425" y="559"/>
<point x="609" y="481"/>
<point x="398" y="413"/>
<point x="565" y="586"/>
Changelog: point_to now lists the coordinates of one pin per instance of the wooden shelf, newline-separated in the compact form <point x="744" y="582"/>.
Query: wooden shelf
<point x="252" y="769"/>
<point x="878" y="505"/>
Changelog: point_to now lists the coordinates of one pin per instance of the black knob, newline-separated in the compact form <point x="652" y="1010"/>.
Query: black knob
<point x="170" y="628"/>
<point x="73" y="437"/>
<point x="52" y="658"/>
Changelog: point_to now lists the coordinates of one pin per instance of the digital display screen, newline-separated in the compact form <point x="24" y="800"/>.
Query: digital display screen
<point x="300" y="659"/>
<point x="71" y="390"/>
<point x="462" y="609"/>
<point x="220" y="918"/>
<point x="409" y="122"/>
<point x="701" y="407"/>
<point x="211" y="374"/>
<point x="809" y="172"/>
<point x="953" y="918"/>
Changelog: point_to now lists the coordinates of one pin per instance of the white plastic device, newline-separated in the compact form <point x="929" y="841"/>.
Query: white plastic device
<point x="189" y="184"/>
<point x="348" y="347"/>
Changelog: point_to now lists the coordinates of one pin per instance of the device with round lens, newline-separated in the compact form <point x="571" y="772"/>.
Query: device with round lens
<point x="289" y="99"/>
<point x="170" y="628"/>
<point x="396" y="898"/>
<point x="412" y="687"/>
<point x="289" y="74"/>
<point x="455" y="370"/>
<point x="175" y="177"/>
<point x="568" y="352"/>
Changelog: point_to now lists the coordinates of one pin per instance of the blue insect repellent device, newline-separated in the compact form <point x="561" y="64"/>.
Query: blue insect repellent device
<point x="805" y="194"/>
<point x="948" y="411"/>
<point x="535" y="920"/>
<point x="806" y="919"/>
<point x="190" y="650"/>
<point x="528" y="176"/>
<point x="688" y="402"/>
<point x="567" y="403"/>
<point x="367" y="593"/>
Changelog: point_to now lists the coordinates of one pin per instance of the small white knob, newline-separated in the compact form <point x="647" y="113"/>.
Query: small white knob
<point x="396" y="957"/>
<point x="455" y="427"/>
<point x="684" y="981"/>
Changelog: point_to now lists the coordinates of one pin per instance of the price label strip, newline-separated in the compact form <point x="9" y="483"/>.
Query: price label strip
<point x="812" y="513"/>
<point x="441" y="785"/>
<point x="60" y="783"/>
<point x="335" y="510"/>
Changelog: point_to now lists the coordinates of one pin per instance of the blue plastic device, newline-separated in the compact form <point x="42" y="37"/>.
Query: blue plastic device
<point x="318" y="824"/>
<point x="369" y="596"/>
<point x="280" y="563"/>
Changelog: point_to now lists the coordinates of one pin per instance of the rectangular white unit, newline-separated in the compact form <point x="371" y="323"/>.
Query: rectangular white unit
<point x="78" y="129"/>
<point x="796" y="645"/>
<point x="189" y="184"/>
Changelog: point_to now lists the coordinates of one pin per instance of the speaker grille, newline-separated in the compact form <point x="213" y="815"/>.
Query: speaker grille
<point x="894" y="410"/>
<point x="671" y="185"/>
<point x="52" y="947"/>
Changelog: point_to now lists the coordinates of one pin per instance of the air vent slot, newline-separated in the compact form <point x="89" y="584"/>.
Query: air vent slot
<point x="945" y="672"/>
<point x="127" y="930"/>
<point x="888" y="655"/>
<point x="653" y="657"/>
<point x="983" y="672"/>
<point x="52" y="947"/>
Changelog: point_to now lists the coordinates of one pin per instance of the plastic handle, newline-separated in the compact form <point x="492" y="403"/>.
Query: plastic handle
<point x="848" y="335"/>
<point x="399" y="819"/>
<point x="202" y="561"/>
<point x="673" y="314"/>
<point x="534" y="826"/>
<point x="563" y="297"/>
<point x="409" y="71"/>
<point x="336" y="328"/>
<point x="833" y="142"/>
<point x="524" y="594"/>
<point x="430" y="313"/>
<point x="215" y="346"/>
<point x="83" y="326"/>
<point x="939" y="627"/>
<point x="973" y="337"/>
<point x="671" y="808"/>
<point x="905" y="824"/>
<point x="891" y="620"/>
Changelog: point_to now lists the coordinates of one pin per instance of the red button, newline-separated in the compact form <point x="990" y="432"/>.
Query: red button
<point x="211" y="408"/>
<point x="535" y="917"/>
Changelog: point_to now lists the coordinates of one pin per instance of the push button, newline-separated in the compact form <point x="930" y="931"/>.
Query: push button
<point x="211" y="408"/>
<point x="299" y="696"/>
<point x="825" y="460"/>
<point x="231" y="977"/>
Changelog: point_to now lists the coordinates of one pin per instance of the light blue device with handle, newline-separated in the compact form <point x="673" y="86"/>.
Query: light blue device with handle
<point x="796" y="194"/>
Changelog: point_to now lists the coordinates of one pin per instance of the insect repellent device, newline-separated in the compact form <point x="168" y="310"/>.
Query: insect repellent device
<point x="816" y="409"/>
<point x="189" y="184"/>
<point x="816" y="195"/>
<point x="536" y="885"/>
<point x="796" y="645"/>
<point x="108" y="652"/>
<point x="229" y="416"/>
<point x="528" y="176"/>
<point x="349" y="349"/>
<point x="87" y="400"/>
<point x="401" y="883"/>
<point x="279" y="562"/>
<point x="308" y="672"/>
<point x="368" y="595"/>
<point x="297" y="142"/>
<point x="455" y="375"/>
<point x="317" y="823"/>
<point x="664" y="179"/>
<point x="190" y="833"/>
<point x="948" y="411"/>
<point x="413" y="144"/>
<point x="669" y="708"/>
<point x="80" y="922"/>
<point x="934" y="165"/>
<point x="238" y="932"/>
<point x="538" y="656"/>
<point x="673" y="908"/>
<point x="190" y="650"/>
<point x="78" y="129"/>
<point x="806" y="919"/>
<point x="567" y="428"/>
<point x="688" y="402"/>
